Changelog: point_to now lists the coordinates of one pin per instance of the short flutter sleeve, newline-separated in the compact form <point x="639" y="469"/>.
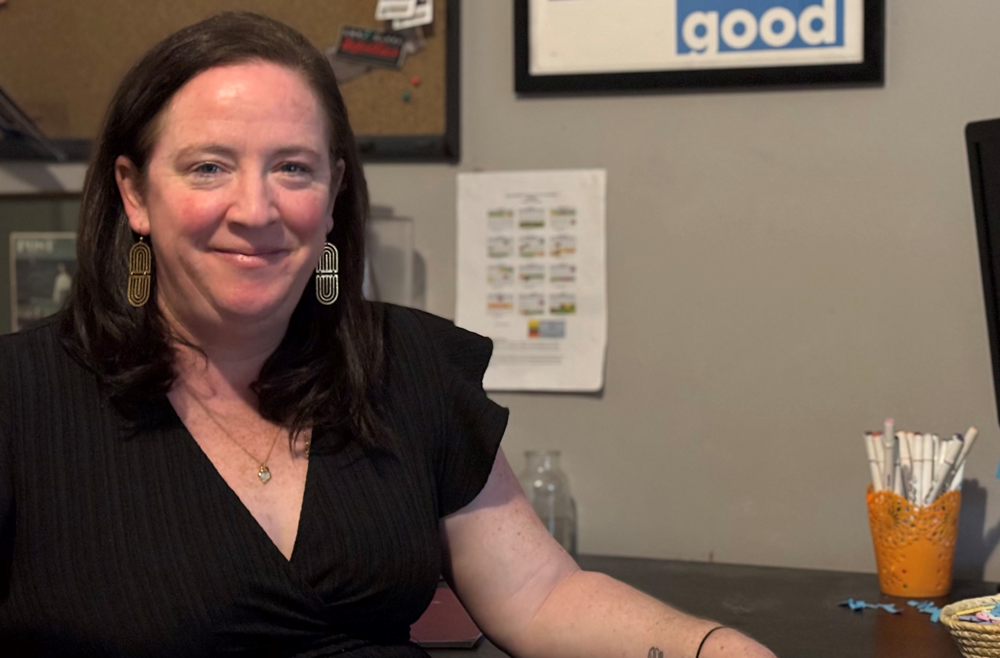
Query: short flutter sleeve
<point x="470" y="424"/>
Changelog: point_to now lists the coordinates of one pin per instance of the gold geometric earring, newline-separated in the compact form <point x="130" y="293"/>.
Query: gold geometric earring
<point x="327" y="280"/>
<point x="140" y="265"/>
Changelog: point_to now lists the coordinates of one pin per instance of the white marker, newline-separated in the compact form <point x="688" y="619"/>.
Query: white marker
<point x="951" y="450"/>
<point x="956" y="484"/>
<point x="879" y="459"/>
<point x="936" y="459"/>
<point x="918" y="467"/>
<point x="927" y="475"/>
<point x="969" y="439"/>
<point x="889" y="447"/>
<point x="897" y="475"/>
<point x="873" y="462"/>
<point x="905" y="464"/>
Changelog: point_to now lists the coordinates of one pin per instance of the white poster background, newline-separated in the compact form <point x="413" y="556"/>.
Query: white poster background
<point x="532" y="276"/>
<point x="608" y="36"/>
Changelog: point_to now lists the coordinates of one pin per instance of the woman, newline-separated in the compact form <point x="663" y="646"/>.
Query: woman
<point x="221" y="448"/>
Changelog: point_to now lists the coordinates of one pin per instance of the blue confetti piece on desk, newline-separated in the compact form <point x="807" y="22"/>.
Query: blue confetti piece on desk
<point x="853" y="605"/>
<point x="927" y="607"/>
<point x="857" y="605"/>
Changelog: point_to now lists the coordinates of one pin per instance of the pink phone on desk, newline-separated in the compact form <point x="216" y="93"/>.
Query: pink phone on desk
<point x="445" y="623"/>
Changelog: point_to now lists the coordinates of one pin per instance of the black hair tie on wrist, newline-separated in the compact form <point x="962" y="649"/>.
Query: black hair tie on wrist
<point x="698" y="654"/>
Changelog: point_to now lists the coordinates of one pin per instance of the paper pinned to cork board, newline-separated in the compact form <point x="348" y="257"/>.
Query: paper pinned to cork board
<point x="532" y="276"/>
<point x="422" y="15"/>
<point x="387" y="10"/>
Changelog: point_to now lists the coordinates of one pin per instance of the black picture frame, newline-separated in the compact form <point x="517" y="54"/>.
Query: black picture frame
<point x="871" y="72"/>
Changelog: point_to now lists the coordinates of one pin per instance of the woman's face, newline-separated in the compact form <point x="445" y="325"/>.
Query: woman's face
<point x="238" y="196"/>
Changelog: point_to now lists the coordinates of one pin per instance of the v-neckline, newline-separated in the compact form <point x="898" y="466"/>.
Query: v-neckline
<point x="236" y="502"/>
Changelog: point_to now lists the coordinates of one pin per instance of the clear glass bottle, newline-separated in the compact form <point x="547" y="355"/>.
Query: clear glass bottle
<point x="547" y="488"/>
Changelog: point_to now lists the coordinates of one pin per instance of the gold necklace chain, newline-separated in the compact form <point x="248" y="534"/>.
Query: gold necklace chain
<point x="263" y="472"/>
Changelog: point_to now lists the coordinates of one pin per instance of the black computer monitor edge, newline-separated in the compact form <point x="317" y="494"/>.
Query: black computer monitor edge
<point x="975" y="134"/>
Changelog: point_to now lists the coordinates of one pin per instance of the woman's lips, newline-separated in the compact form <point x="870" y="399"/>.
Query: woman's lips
<point x="251" y="259"/>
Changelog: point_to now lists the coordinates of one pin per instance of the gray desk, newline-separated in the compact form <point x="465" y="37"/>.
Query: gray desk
<point x="792" y="611"/>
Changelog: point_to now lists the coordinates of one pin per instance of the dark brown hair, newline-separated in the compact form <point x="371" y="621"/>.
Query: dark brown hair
<point x="327" y="367"/>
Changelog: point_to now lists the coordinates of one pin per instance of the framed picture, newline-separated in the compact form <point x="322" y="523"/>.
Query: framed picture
<point x="592" y="46"/>
<point x="42" y="267"/>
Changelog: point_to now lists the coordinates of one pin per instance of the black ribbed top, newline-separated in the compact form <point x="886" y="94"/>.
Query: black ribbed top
<point x="119" y="539"/>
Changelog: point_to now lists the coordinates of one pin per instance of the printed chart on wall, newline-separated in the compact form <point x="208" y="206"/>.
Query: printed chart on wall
<point x="532" y="276"/>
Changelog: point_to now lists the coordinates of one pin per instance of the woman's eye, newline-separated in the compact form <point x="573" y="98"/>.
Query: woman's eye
<point x="294" y="168"/>
<point x="207" y="169"/>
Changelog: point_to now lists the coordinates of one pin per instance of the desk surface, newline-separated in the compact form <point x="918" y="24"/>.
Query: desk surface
<point x="792" y="611"/>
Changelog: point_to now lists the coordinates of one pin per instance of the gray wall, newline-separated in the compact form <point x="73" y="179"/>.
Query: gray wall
<point x="785" y="269"/>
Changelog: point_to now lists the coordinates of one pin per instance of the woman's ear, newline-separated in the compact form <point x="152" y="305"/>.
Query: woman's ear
<point x="336" y="180"/>
<point x="129" y="181"/>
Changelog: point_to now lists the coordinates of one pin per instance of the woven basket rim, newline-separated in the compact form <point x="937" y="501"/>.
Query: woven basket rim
<point x="950" y="611"/>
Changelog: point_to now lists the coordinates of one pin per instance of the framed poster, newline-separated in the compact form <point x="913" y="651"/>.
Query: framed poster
<point x="42" y="267"/>
<point x="582" y="46"/>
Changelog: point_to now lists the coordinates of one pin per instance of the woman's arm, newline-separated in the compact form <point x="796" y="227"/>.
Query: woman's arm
<point x="529" y="596"/>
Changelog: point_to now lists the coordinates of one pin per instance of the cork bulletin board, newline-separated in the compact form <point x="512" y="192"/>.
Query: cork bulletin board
<point x="60" y="62"/>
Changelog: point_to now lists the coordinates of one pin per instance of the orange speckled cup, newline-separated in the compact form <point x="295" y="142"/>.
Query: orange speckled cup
<point x="914" y="546"/>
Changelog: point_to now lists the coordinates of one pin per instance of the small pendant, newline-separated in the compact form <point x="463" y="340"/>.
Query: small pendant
<point x="264" y="473"/>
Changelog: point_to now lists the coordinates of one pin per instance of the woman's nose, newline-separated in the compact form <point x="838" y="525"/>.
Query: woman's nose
<point x="254" y="203"/>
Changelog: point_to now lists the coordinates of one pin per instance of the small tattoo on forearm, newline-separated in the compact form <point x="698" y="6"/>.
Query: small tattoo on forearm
<point x="655" y="653"/>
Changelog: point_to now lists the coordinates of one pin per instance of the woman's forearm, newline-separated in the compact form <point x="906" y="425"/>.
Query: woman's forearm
<point x="590" y="615"/>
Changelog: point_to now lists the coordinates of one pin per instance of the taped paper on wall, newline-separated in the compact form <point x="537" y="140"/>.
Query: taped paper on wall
<point x="532" y="276"/>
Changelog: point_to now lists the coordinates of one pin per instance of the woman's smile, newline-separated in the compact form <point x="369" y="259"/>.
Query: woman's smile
<point x="251" y="258"/>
